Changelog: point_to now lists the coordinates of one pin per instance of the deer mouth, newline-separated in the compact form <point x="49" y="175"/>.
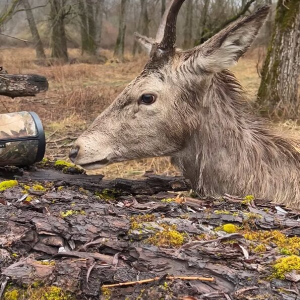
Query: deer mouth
<point x="96" y="164"/>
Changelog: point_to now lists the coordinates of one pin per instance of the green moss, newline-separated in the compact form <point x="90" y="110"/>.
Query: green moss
<point x="260" y="248"/>
<point x="7" y="184"/>
<point x="286" y="245"/>
<point x="47" y="263"/>
<point x="106" y="292"/>
<point x="107" y="195"/>
<point x="168" y="200"/>
<point x="12" y="294"/>
<point x="248" y="199"/>
<point x="286" y="13"/>
<point x="136" y="222"/>
<point x="38" y="187"/>
<point x="168" y="237"/>
<point x="69" y="213"/>
<point x="67" y="167"/>
<point x="284" y="265"/>
<point x="229" y="228"/>
<point x="222" y="212"/>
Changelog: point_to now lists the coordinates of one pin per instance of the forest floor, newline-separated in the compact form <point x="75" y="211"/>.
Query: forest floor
<point x="67" y="237"/>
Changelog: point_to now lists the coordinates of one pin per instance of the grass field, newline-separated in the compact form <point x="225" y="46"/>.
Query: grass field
<point x="79" y="92"/>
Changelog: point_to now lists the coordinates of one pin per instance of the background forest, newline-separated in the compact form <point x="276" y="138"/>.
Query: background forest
<point x="86" y="49"/>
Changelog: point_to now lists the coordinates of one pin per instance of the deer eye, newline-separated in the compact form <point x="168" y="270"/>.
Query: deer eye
<point x="147" y="99"/>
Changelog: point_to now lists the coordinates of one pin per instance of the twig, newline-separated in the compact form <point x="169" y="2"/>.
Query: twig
<point x="220" y="239"/>
<point x="210" y="279"/>
<point x="3" y="286"/>
<point x="13" y="37"/>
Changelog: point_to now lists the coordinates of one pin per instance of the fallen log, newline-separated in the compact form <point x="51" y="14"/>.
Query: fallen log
<point x="22" y="85"/>
<point x="150" y="185"/>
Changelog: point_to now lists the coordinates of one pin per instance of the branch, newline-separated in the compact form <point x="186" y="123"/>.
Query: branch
<point x="227" y="22"/>
<point x="8" y="13"/>
<point x="22" y="85"/>
<point x="32" y="8"/>
<point x="13" y="37"/>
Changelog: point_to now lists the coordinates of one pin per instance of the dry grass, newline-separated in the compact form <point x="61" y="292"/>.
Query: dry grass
<point x="79" y="92"/>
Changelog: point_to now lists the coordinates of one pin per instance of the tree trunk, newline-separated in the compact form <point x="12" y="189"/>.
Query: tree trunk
<point x="188" y="29"/>
<point x="278" y="91"/>
<point x="58" y="34"/>
<point x="142" y="26"/>
<point x="202" y="26"/>
<point x="163" y="7"/>
<point x="88" y="27"/>
<point x="119" y="48"/>
<point x="38" y="45"/>
<point x="98" y="23"/>
<point x="91" y="26"/>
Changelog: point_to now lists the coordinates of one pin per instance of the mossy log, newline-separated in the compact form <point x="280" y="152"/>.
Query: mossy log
<point x="22" y="85"/>
<point x="68" y="241"/>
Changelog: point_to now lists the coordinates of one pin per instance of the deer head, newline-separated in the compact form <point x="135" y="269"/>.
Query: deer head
<point x="159" y="110"/>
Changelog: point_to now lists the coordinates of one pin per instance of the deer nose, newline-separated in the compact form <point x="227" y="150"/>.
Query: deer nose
<point x="73" y="153"/>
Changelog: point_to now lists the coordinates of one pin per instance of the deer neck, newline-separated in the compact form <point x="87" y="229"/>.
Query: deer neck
<point x="232" y="152"/>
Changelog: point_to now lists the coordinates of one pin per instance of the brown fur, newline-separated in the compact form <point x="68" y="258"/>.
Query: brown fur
<point x="200" y="119"/>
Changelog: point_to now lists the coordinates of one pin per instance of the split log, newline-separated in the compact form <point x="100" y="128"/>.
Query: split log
<point x="22" y="85"/>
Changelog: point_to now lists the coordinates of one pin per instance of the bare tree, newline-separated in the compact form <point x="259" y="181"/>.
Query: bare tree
<point x="188" y="28"/>
<point x="278" y="91"/>
<point x="58" y="14"/>
<point x="38" y="45"/>
<point x="142" y="25"/>
<point x="120" y="44"/>
<point x="7" y="13"/>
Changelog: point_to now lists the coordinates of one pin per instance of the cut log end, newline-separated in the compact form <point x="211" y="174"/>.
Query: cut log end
<point x="22" y="85"/>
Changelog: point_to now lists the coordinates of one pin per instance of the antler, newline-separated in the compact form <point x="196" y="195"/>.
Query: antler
<point x="166" y="33"/>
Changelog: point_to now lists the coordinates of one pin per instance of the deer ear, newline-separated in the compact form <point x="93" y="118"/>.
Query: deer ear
<point x="225" y="48"/>
<point x="144" y="41"/>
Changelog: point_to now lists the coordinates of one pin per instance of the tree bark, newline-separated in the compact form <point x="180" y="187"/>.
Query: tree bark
<point x="278" y="91"/>
<point x="142" y="26"/>
<point x="38" y="45"/>
<point x="22" y="85"/>
<point x="59" y="47"/>
<point x="188" y="29"/>
<point x="120" y="43"/>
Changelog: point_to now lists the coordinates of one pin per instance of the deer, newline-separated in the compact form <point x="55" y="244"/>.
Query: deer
<point x="187" y="105"/>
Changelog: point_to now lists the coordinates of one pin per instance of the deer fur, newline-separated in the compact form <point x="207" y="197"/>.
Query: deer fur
<point x="200" y="118"/>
